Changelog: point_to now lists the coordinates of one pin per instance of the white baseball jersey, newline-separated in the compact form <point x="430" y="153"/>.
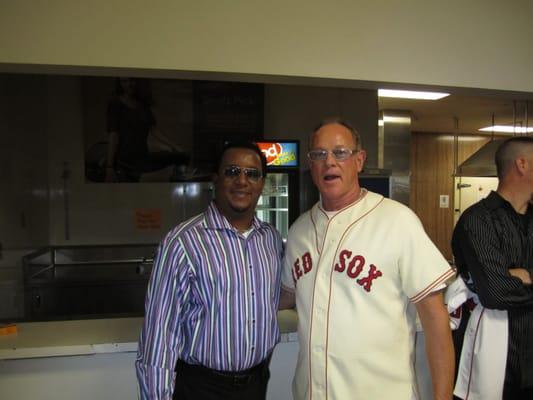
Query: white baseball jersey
<point x="356" y="276"/>
<point x="481" y="373"/>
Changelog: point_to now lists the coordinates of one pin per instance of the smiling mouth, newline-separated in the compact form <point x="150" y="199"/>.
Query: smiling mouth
<point x="240" y="194"/>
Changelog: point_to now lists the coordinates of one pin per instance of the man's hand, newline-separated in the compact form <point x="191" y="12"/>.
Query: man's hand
<point x="439" y="345"/>
<point x="287" y="299"/>
<point x="522" y="274"/>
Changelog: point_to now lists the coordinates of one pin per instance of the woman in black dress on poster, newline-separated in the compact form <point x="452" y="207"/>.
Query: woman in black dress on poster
<point x="129" y="122"/>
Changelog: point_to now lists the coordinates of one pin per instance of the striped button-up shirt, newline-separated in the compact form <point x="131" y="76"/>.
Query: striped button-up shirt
<point x="488" y="240"/>
<point x="212" y="300"/>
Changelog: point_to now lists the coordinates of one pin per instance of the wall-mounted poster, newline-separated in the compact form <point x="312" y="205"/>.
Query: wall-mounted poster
<point x="136" y="129"/>
<point x="161" y="130"/>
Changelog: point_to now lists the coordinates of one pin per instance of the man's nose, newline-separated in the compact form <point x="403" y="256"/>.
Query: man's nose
<point x="241" y="178"/>
<point x="330" y="159"/>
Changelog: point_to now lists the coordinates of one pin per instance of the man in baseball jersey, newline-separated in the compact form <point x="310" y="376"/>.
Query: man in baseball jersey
<point x="358" y="267"/>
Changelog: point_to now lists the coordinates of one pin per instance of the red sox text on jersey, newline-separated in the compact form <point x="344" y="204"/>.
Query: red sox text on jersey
<point x="353" y="265"/>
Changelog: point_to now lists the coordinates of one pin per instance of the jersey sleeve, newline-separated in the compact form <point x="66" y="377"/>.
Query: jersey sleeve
<point x="422" y="267"/>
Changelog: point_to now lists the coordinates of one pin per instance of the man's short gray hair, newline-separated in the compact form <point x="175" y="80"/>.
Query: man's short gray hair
<point x="355" y="135"/>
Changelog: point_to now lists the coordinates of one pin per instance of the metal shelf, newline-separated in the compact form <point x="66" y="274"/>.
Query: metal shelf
<point x="62" y="282"/>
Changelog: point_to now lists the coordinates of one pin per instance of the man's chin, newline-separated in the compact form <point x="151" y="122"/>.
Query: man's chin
<point x="239" y="209"/>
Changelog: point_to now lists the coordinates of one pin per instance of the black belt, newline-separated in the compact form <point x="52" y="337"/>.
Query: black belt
<point x="233" y="378"/>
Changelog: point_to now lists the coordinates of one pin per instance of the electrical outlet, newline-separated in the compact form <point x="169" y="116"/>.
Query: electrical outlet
<point x="444" y="201"/>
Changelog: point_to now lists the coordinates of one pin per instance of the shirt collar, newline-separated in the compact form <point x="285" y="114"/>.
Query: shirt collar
<point x="215" y="220"/>
<point x="494" y="201"/>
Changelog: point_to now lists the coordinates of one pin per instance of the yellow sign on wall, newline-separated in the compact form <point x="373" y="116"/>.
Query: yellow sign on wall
<point x="147" y="219"/>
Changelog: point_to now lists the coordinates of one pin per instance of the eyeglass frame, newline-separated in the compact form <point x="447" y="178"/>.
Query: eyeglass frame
<point x="240" y="170"/>
<point x="332" y="152"/>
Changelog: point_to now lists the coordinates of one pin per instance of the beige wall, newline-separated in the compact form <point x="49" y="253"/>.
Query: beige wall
<point x="476" y="43"/>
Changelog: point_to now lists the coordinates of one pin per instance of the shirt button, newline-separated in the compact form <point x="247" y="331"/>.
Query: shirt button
<point x="253" y="293"/>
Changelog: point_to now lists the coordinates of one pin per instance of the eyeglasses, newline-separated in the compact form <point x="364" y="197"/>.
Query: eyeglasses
<point x="340" y="154"/>
<point x="252" y="174"/>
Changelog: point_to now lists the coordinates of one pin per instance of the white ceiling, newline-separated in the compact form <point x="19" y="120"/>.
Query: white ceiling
<point x="473" y="112"/>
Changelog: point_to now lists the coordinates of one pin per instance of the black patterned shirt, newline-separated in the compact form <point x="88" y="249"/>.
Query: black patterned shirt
<point x="489" y="239"/>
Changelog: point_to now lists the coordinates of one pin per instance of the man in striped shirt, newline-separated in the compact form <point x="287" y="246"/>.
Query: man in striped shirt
<point x="493" y="248"/>
<point x="211" y="307"/>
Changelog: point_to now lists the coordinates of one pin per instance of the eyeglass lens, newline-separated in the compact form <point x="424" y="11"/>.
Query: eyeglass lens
<point x="339" y="154"/>
<point x="234" y="171"/>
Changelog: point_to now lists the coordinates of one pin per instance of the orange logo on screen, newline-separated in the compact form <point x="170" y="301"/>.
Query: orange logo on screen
<point x="271" y="151"/>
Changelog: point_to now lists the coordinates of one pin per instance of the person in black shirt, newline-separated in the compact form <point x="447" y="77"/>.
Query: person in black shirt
<point x="493" y="248"/>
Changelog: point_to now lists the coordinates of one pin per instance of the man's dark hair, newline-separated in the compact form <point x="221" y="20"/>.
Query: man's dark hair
<point x="241" y="144"/>
<point x="335" y="120"/>
<point x="508" y="152"/>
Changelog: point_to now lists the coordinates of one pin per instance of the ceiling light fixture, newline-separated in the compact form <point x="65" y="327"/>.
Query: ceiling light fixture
<point x="394" y="120"/>
<point x="410" y="94"/>
<point x="507" y="129"/>
<point x="397" y="119"/>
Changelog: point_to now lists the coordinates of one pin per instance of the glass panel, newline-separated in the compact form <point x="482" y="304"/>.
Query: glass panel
<point x="273" y="205"/>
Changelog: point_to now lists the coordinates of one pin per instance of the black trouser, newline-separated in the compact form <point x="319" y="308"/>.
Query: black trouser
<point x="512" y="389"/>
<point x="514" y="393"/>
<point x="195" y="382"/>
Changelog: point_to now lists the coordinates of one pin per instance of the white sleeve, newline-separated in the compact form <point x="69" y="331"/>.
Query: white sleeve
<point x="423" y="268"/>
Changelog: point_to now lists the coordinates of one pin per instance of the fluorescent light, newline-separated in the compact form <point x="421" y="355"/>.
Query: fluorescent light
<point x="410" y="94"/>
<point x="393" y="120"/>
<point x="507" y="129"/>
<point x="397" y="120"/>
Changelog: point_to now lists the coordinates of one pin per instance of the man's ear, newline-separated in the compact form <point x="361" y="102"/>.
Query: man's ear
<point x="361" y="158"/>
<point x="521" y="164"/>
